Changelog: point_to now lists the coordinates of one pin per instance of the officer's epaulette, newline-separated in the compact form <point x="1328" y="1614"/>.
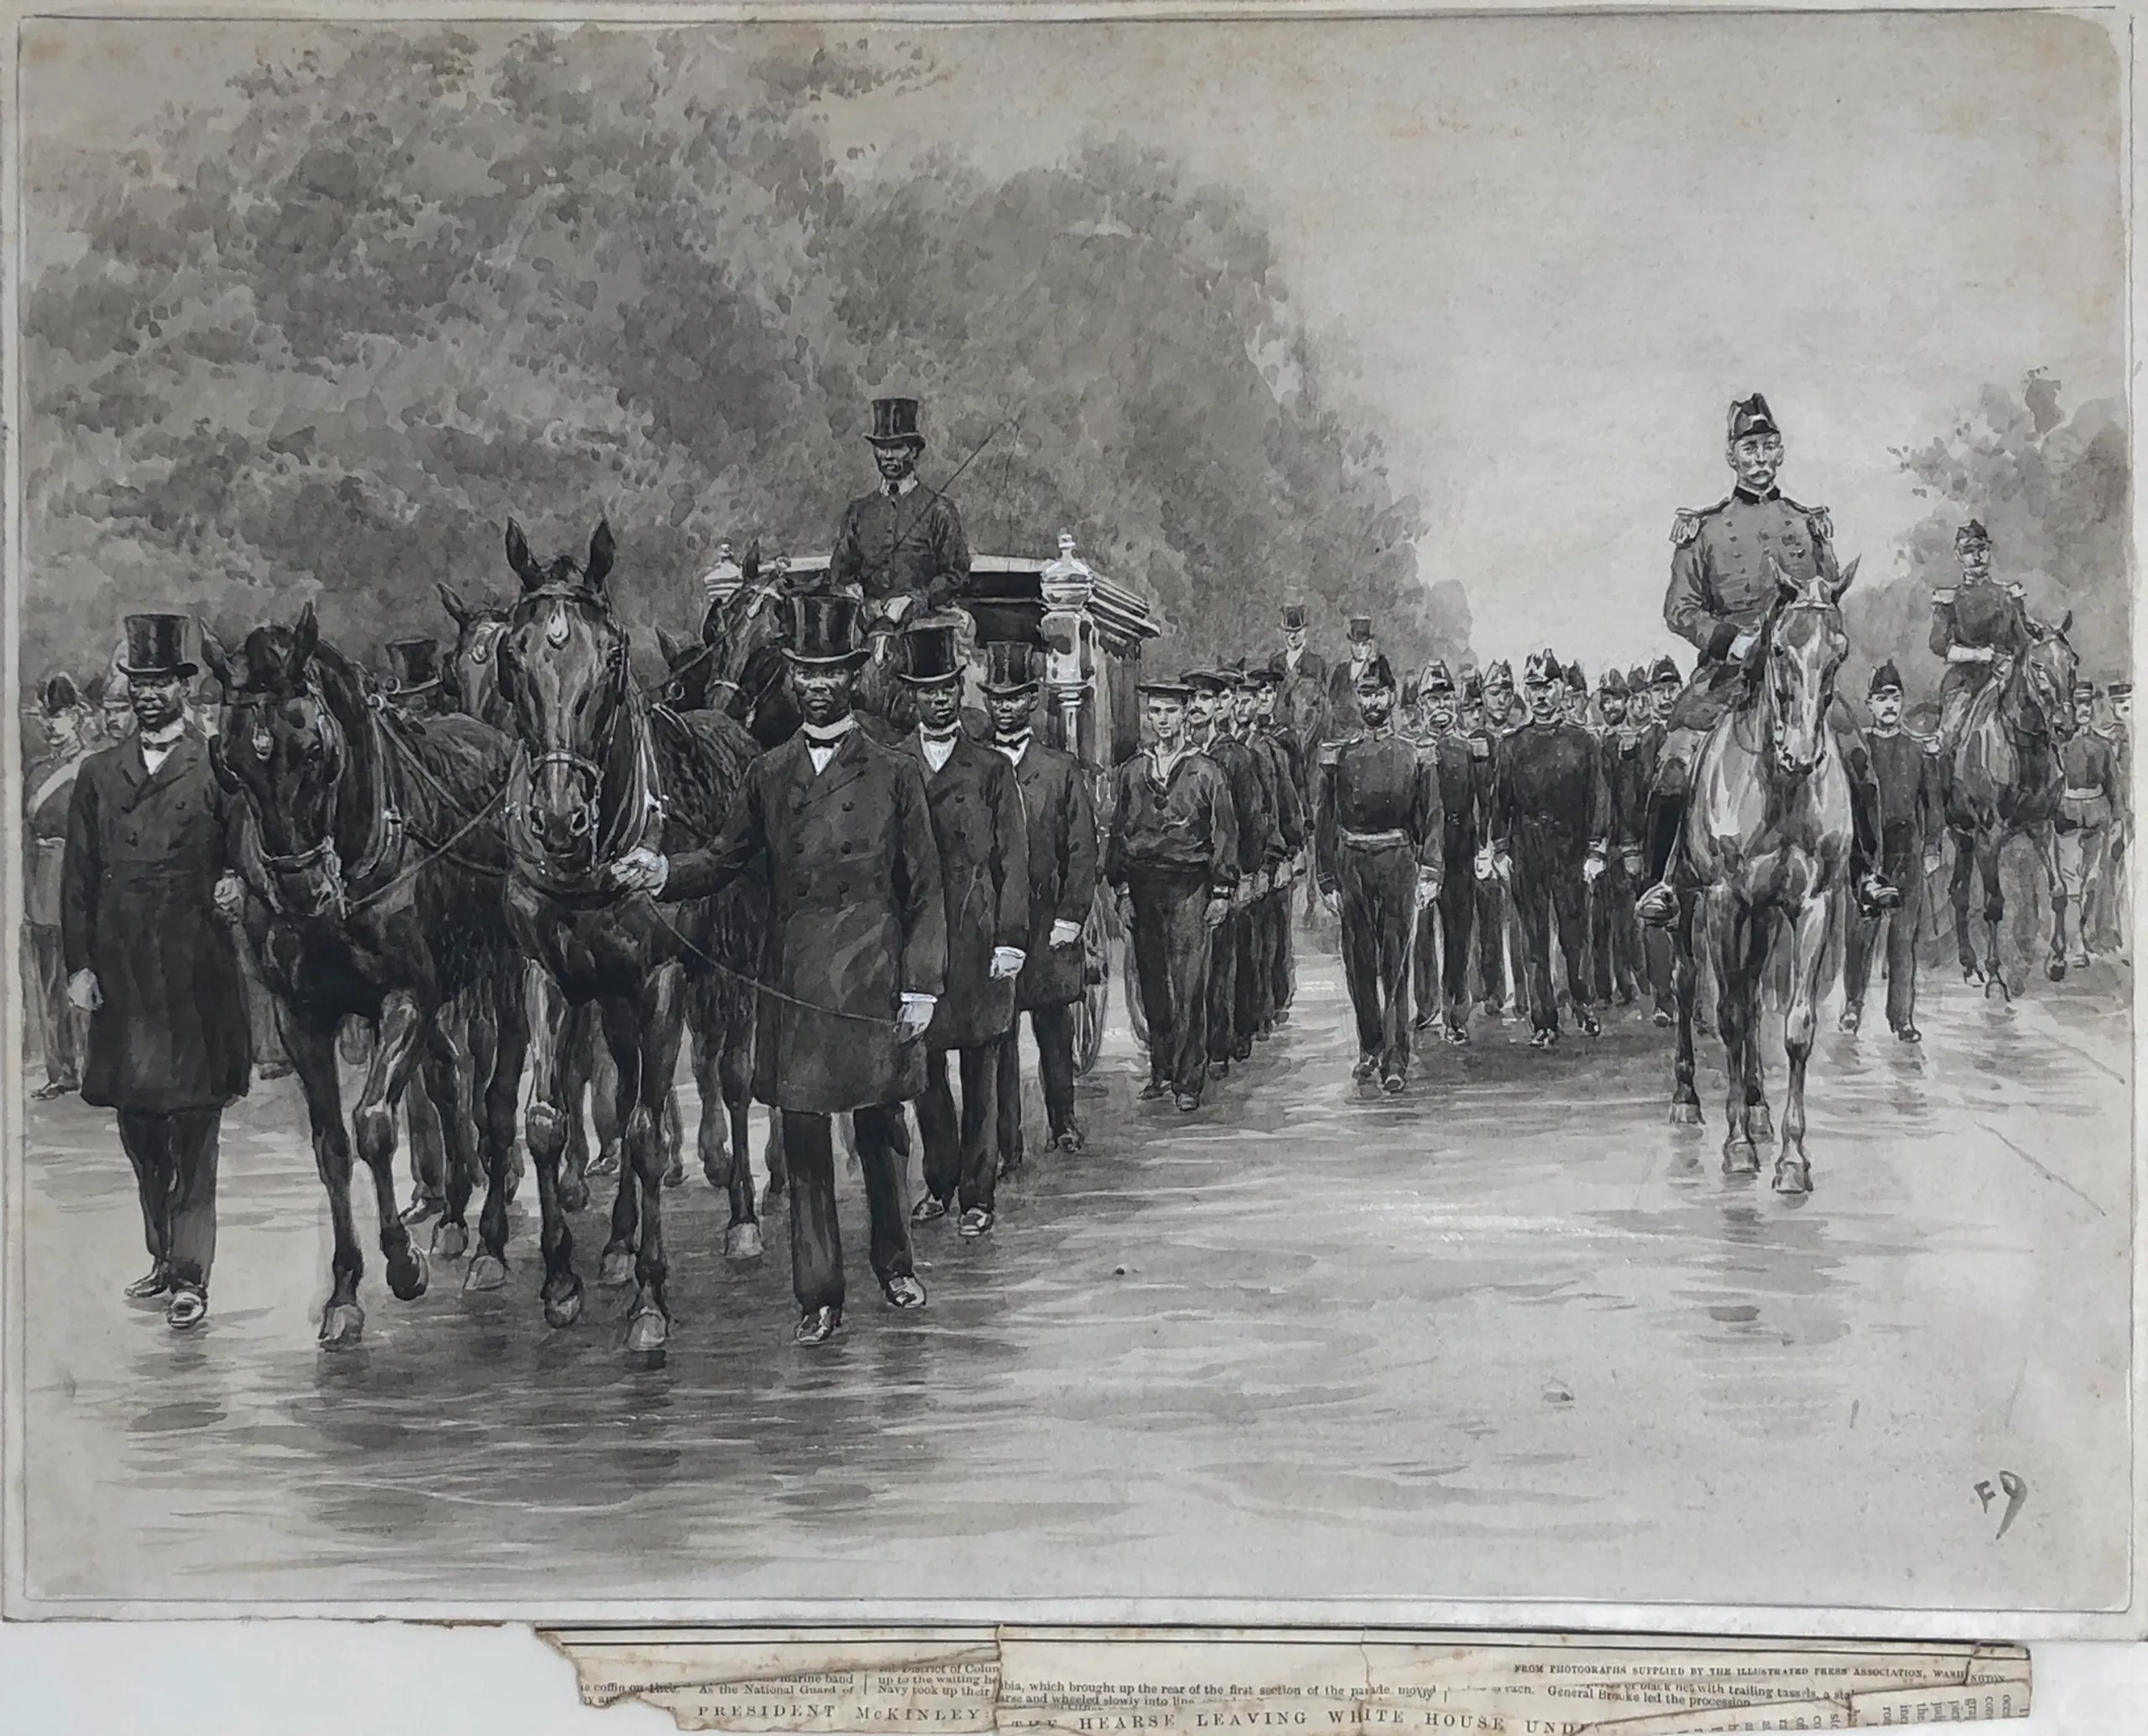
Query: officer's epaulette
<point x="1944" y="596"/>
<point x="2016" y="589"/>
<point x="1686" y="525"/>
<point x="1823" y="527"/>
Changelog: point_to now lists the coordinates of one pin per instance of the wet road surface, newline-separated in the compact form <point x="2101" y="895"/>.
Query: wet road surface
<point x="1507" y="1335"/>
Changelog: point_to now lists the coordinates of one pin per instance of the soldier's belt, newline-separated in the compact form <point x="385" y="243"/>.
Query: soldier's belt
<point x="1374" y="840"/>
<point x="2073" y="794"/>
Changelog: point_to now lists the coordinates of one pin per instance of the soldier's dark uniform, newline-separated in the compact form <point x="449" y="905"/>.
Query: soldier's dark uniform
<point x="1724" y="581"/>
<point x="2081" y="829"/>
<point x="1664" y="683"/>
<point x="1549" y="807"/>
<point x="48" y="791"/>
<point x="1616" y="964"/>
<point x="1265" y="977"/>
<point x="1911" y="819"/>
<point x="1380" y="827"/>
<point x="1253" y="803"/>
<point x="1461" y="762"/>
<point x="1295" y="818"/>
<point x="1173" y="848"/>
<point x="1490" y="893"/>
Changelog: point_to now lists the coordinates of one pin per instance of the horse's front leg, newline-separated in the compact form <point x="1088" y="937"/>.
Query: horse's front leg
<point x="1808" y="953"/>
<point x="576" y="1044"/>
<point x="1762" y="970"/>
<point x="652" y="1060"/>
<point x="2065" y="889"/>
<point x="506" y="1022"/>
<point x="721" y="1062"/>
<point x="405" y="1027"/>
<point x="441" y="1085"/>
<point x="1957" y="895"/>
<point x="1685" y="976"/>
<point x="546" y="1125"/>
<point x="620" y="1034"/>
<point x="312" y="1049"/>
<point x="1730" y="924"/>
<point x="1991" y="845"/>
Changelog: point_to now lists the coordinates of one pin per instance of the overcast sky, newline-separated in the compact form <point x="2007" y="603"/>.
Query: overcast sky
<point x="1554" y="248"/>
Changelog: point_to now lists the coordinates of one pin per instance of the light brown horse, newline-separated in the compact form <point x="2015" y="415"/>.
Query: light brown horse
<point x="1767" y="836"/>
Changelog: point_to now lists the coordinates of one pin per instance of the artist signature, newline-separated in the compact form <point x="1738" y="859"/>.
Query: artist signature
<point x="2016" y="1491"/>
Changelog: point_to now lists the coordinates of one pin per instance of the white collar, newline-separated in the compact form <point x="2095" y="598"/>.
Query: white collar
<point x="828" y="735"/>
<point x="166" y="738"/>
<point x="1016" y="747"/>
<point x="892" y="489"/>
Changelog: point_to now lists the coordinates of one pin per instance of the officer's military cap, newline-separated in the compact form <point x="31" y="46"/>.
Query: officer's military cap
<point x="1636" y="677"/>
<point x="1500" y="675"/>
<point x="2119" y="690"/>
<point x="1885" y="678"/>
<point x="1663" y="670"/>
<point x="1436" y="681"/>
<point x="1973" y="535"/>
<point x="1542" y="668"/>
<point x="1576" y="680"/>
<point x="1751" y="415"/>
<point x="1473" y="687"/>
<point x="1375" y="675"/>
<point x="1612" y="685"/>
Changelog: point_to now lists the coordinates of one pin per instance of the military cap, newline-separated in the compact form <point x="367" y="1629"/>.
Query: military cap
<point x="1973" y="535"/>
<point x="58" y="695"/>
<point x="1294" y="616"/>
<point x="1751" y="415"/>
<point x="1613" y="683"/>
<point x="2084" y="689"/>
<point x="1576" y="680"/>
<point x="1542" y="668"/>
<point x="1884" y="679"/>
<point x="1636" y="677"/>
<point x="1360" y="628"/>
<point x="1663" y="670"/>
<point x="1500" y="675"/>
<point x="1412" y="688"/>
<point x="1178" y="692"/>
<point x="1435" y="679"/>
<point x="1473" y="687"/>
<point x="1205" y="680"/>
<point x="1264" y="676"/>
<point x="1375" y="674"/>
<point x="2119" y="690"/>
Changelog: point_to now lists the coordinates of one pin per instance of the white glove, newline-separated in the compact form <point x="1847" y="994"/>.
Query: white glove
<point x="1332" y="899"/>
<point x="915" y="1014"/>
<point x="1217" y="913"/>
<point x="1428" y="888"/>
<point x="1593" y="870"/>
<point x="1485" y="863"/>
<point x="230" y="896"/>
<point x="1064" y="933"/>
<point x="1006" y="963"/>
<point x="1634" y="861"/>
<point x="83" y="994"/>
<point x="1742" y="644"/>
<point x="640" y="870"/>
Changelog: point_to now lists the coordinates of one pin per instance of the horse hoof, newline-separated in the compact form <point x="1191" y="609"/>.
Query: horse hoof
<point x="1685" y="1115"/>
<point x="574" y="1195"/>
<point x="1739" y="1159"/>
<point x="772" y="1192"/>
<point x="407" y="1277"/>
<point x="676" y="1176"/>
<point x="450" y="1241"/>
<point x="2056" y="970"/>
<point x="1758" y="1123"/>
<point x="487" y="1272"/>
<point x="564" y="1311"/>
<point x="717" y="1172"/>
<point x="647" y="1331"/>
<point x="341" y="1325"/>
<point x="1793" y="1175"/>
<point x="605" y="1163"/>
<point x="742" y="1241"/>
<point x="618" y="1269"/>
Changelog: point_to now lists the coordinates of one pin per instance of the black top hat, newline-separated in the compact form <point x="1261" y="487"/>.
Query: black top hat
<point x="1436" y="681"/>
<point x="1885" y="678"/>
<point x="1010" y="667"/>
<point x="823" y="629"/>
<point x="413" y="665"/>
<point x="1751" y="415"/>
<point x="1542" y="667"/>
<point x="1500" y="675"/>
<point x="932" y="653"/>
<point x="1973" y="535"/>
<point x="1662" y="670"/>
<point x="894" y="423"/>
<point x="1179" y="691"/>
<point x="58" y="695"/>
<point x="1294" y="616"/>
<point x="1613" y="685"/>
<point x="1361" y="628"/>
<point x="1375" y="674"/>
<point x="156" y="649"/>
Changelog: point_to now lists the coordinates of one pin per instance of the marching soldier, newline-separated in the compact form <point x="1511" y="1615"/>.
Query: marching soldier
<point x="902" y="545"/>
<point x="149" y="893"/>
<point x="1723" y="583"/>
<point x="1549" y="834"/>
<point x="1911" y="816"/>
<point x="1662" y="684"/>
<point x="1252" y="807"/>
<point x="1288" y="752"/>
<point x="1172" y="858"/>
<point x="1062" y="859"/>
<point x="1379" y="862"/>
<point x="1502" y="711"/>
<point x="1462" y="764"/>
<point x="1342" y="720"/>
<point x="1266" y="924"/>
<point x="1576" y="696"/>
<point x="1616" y="964"/>
<point x="2115" y="903"/>
<point x="982" y="838"/>
<point x="856" y="953"/>
<point x="2087" y="806"/>
<point x="1489" y="894"/>
<point x="48" y="789"/>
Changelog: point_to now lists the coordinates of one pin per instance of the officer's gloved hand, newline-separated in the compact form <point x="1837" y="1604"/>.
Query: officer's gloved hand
<point x="1634" y="862"/>
<point x="1591" y="870"/>
<point x="641" y="869"/>
<point x="1332" y="899"/>
<point x="83" y="994"/>
<point x="915" y="1014"/>
<point x="1741" y="648"/>
<point x="1218" y="910"/>
<point x="1485" y="863"/>
<point x="1064" y="933"/>
<point x="230" y="896"/>
<point x="1428" y="887"/>
<point x="1006" y="963"/>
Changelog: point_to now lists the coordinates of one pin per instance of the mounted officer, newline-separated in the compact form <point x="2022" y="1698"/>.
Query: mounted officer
<point x="1549" y="834"/>
<point x="1342" y="720"/>
<point x="1302" y="695"/>
<point x="1172" y="858"/>
<point x="1912" y="819"/>
<point x="1723" y="585"/>
<point x="1462" y="764"/>
<point x="1979" y="626"/>
<point x="984" y="877"/>
<point x="1379" y="862"/>
<point x="1062" y="857"/>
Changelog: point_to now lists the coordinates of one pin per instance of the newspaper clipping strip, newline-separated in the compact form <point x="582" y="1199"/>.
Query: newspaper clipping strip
<point x="1345" y="1683"/>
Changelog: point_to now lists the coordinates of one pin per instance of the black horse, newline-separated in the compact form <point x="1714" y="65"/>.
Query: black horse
<point x="601" y="772"/>
<point x="382" y="863"/>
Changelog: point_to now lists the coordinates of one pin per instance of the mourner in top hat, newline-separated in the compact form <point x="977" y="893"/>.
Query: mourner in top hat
<point x="1253" y="803"/>
<point x="1062" y="857"/>
<point x="1172" y="855"/>
<point x="983" y="837"/>
<point x="1724" y="569"/>
<point x="1301" y="693"/>
<point x="902" y="545"/>
<point x="1462" y="764"/>
<point x="411" y="682"/>
<point x="856" y="952"/>
<point x="148" y="893"/>
<point x="48" y="792"/>
<point x="1381" y="836"/>
<point x="1550" y="822"/>
<point x="1342" y="720"/>
<point x="1912" y="818"/>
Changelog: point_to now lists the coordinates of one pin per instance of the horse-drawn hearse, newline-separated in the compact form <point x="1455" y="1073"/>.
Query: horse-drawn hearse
<point x="1089" y="631"/>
